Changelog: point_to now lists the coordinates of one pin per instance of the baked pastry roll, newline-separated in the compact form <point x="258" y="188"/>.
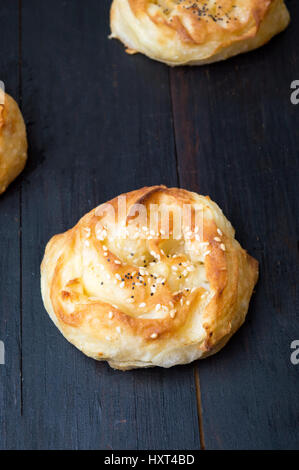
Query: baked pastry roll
<point x="132" y="285"/>
<point x="13" y="142"/>
<point x="195" y="32"/>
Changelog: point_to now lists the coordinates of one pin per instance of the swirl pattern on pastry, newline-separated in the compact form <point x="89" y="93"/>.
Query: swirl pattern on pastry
<point x="196" y="32"/>
<point x="137" y="297"/>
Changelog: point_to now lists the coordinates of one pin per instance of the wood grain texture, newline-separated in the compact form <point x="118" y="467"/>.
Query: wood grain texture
<point x="10" y="325"/>
<point x="99" y="125"/>
<point x="237" y="139"/>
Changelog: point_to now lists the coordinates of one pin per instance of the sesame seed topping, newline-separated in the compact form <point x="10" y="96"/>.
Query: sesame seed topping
<point x="172" y="313"/>
<point x="110" y="315"/>
<point x="222" y="246"/>
<point x="154" y="336"/>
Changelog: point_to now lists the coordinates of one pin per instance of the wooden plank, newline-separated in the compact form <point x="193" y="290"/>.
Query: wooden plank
<point x="237" y="140"/>
<point x="100" y="124"/>
<point x="10" y="329"/>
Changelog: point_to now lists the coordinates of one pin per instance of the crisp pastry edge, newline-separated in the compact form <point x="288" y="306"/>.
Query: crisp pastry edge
<point x="248" y="268"/>
<point x="275" y="21"/>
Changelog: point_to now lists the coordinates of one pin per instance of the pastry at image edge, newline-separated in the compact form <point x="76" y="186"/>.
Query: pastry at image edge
<point x="195" y="32"/>
<point x="13" y="142"/>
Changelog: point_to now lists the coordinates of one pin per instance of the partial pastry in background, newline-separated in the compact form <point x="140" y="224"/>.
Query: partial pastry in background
<point x="13" y="141"/>
<point x="195" y="32"/>
<point x="132" y="285"/>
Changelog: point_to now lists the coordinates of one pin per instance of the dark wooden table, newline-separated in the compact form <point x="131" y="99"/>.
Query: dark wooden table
<point x="101" y="123"/>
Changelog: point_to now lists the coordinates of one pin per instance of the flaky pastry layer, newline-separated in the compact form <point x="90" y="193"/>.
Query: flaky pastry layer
<point x="195" y="32"/>
<point x="138" y="297"/>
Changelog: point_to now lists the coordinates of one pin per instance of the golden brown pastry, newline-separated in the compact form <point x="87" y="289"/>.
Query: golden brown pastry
<point x="13" y="142"/>
<point x="195" y="32"/>
<point x="149" y="291"/>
